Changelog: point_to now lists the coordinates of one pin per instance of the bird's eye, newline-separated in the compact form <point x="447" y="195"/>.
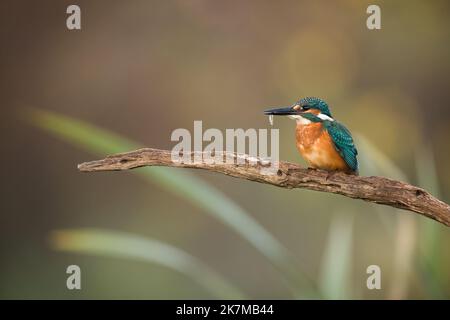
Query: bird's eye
<point x="305" y="108"/>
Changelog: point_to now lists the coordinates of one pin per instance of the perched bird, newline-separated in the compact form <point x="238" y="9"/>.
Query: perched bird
<point x="322" y="141"/>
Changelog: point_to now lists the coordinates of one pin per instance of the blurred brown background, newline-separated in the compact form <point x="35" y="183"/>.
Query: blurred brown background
<point x="144" y="68"/>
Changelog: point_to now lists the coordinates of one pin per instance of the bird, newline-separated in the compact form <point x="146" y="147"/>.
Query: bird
<point x="322" y="141"/>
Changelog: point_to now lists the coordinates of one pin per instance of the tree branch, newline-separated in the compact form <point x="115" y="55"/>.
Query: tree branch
<point x="373" y="189"/>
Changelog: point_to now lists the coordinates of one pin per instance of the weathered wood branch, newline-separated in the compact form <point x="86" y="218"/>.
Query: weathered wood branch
<point x="373" y="189"/>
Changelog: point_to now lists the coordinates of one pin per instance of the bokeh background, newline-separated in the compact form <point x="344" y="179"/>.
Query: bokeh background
<point x="140" y="69"/>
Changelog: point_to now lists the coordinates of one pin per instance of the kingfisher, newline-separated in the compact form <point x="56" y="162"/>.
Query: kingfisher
<point x="322" y="141"/>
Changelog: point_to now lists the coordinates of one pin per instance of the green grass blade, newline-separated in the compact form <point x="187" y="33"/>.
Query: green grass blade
<point x="335" y="273"/>
<point x="403" y="228"/>
<point x="375" y="163"/>
<point x="128" y="246"/>
<point x="184" y="185"/>
<point x="430" y="260"/>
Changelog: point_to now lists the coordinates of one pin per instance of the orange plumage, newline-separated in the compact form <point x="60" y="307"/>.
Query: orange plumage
<point x="317" y="148"/>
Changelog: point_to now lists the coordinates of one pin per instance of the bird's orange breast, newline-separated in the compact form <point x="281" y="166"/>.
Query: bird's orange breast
<point x="317" y="148"/>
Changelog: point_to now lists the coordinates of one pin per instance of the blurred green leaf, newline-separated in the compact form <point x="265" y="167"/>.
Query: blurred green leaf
<point x="375" y="163"/>
<point x="335" y="273"/>
<point x="184" y="185"/>
<point x="403" y="228"/>
<point x="128" y="246"/>
<point x="430" y="231"/>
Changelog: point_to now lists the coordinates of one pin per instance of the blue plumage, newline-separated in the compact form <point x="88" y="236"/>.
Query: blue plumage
<point x="315" y="103"/>
<point x="343" y="142"/>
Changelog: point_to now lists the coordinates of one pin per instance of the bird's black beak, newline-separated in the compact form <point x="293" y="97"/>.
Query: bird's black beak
<point x="285" y="111"/>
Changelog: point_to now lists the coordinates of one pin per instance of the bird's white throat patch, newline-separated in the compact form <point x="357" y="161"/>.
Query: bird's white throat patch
<point x="299" y="119"/>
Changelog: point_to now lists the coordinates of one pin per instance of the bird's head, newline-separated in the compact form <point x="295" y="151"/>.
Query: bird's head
<point x="305" y="110"/>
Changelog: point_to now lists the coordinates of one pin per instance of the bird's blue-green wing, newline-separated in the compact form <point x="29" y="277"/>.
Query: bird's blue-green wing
<point x="343" y="142"/>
